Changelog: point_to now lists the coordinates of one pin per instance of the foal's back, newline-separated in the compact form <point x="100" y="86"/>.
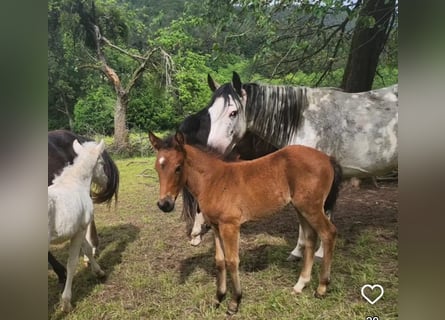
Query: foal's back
<point x="296" y="174"/>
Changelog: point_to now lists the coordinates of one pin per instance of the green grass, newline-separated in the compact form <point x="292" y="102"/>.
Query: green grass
<point x="153" y="272"/>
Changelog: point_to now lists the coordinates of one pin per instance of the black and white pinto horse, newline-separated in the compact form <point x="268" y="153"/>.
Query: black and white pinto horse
<point x="358" y="129"/>
<point x="70" y="209"/>
<point x="61" y="154"/>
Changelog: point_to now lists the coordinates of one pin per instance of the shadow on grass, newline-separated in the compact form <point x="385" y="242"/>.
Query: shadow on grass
<point x="252" y="259"/>
<point x="355" y="213"/>
<point x="113" y="242"/>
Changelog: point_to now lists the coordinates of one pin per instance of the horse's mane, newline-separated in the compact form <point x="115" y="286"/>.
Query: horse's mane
<point x="60" y="144"/>
<point x="275" y="110"/>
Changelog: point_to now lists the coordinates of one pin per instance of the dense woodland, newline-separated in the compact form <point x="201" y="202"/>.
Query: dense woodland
<point x="118" y="66"/>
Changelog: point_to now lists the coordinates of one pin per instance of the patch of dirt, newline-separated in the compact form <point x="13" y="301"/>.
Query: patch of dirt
<point x="358" y="208"/>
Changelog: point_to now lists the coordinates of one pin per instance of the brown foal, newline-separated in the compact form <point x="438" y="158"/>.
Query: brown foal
<point x="231" y="193"/>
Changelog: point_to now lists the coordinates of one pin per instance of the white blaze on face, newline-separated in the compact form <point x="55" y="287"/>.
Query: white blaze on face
<point x="223" y="124"/>
<point x="161" y="160"/>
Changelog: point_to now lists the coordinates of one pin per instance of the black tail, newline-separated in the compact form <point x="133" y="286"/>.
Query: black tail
<point x="189" y="209"/>
<point x="333" y="194"/>
<point x="101" y="195"/>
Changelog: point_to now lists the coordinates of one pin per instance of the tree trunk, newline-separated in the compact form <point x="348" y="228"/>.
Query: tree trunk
<point x="367" y="44"/>
<point x="120" y="123"/>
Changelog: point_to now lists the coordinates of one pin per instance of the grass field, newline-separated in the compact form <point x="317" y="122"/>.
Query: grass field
<point x="153" y="272"/>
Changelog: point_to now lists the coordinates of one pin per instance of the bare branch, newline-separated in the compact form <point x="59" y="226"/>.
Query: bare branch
<point x="132" y="55"/>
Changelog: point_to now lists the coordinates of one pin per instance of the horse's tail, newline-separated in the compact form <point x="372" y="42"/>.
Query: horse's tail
<point x="189" y="209"/>
<point x="333" y="193"/>
<point x="105" y="194"/>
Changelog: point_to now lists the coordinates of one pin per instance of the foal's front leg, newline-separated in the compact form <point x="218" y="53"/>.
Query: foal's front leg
<point x="229" y="234"/>
<point x="221" y="286"/>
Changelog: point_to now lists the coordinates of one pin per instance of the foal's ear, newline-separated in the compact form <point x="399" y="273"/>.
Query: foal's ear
<point x="236" y="82"/>
<point x="213" y="85"/>
<point x="180" y="138"/>
<point x="155" y="141"/>
<point x="77" y="146"/>
<point x="101" y="146"/>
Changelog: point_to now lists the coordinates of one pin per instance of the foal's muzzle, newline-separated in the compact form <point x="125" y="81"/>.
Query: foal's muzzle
<point x="167" y="204"/>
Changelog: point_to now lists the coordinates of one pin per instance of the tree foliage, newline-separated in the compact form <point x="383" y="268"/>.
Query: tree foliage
<point x="303" y="42"/>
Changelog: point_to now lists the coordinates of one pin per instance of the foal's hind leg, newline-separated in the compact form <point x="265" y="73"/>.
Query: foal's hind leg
<point x="88" y="251"/>
<point x="310" y="238"/>
<point x="327" y="233"/>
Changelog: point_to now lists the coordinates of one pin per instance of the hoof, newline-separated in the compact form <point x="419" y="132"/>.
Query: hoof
<point x="320" y="293"/>
<point x="196" y="241"/>
<point x="296" y="292"/>
<point x="298" y="289"/>
<point x="231" y="313"/>
<point x="231" y="310"/>
<point x="291" y="257"/>
<point x="101" y="274"/>
<point x="319" y="296"/>
<point x="66" y="306"/>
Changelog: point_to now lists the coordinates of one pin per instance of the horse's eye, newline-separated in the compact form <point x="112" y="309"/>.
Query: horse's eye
<point x="178" y="169"/>
<point x="233" y="114"/>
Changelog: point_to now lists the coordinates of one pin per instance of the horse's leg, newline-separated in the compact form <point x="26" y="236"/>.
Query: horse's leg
<point x="221" y="285"/>
<point x="92" y="238"/>
<point x="310" y="238"/>
<point x="58" y="268"/>
<point x="88" y="251"/>
<point x="230" y="238"/>
<point x="196" y="233"/>
<point x="297" y="253"/>
<point x="327" y="233"/>
<point x="73" y="259"/>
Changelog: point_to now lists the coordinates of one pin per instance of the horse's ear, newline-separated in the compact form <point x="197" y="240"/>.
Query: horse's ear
<point x="180" y="138"/>
<point x="101" y="146"/>
<point x="155" y="141"/>
<point x="236" y="82"/>
<point x="77" y="146"/>
<point x="213" y="85"/>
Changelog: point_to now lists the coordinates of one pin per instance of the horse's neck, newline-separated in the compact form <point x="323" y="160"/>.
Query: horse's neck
<point x="77" y="173"/>
<point x="201" y="170"/>
<point x="274" y="112"/>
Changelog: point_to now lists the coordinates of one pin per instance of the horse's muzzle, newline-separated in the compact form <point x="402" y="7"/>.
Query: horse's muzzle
<point x="167" y="204"/>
